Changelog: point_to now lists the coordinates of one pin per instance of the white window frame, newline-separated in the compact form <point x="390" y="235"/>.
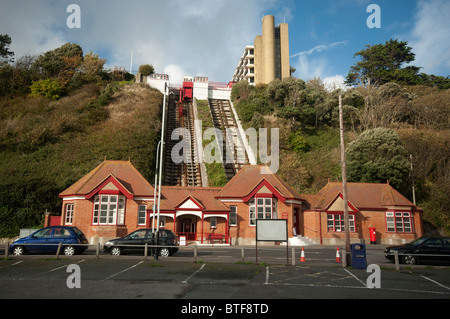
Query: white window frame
<point x="399" y="222"/>
<point x="338" y="224"/>
<point x="142" y="209"/>
<point x="233" y="216"/>
<point x="109" y="210"/>
<point x="68" y="220"/>
<point x="262" y="208"/>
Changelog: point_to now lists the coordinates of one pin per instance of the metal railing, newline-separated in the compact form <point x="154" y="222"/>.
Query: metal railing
<point x="149" y="251"/>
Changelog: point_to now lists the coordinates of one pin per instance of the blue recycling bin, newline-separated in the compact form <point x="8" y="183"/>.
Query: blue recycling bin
<point x="358" y="253"/>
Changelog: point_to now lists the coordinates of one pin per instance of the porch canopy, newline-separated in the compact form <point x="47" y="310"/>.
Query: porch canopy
<point x="189" y="205"/>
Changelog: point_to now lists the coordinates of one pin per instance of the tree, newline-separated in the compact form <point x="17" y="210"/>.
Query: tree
<point x="6" y="56"/>
<point x="380" y="63"/>
<point x="146" y="69"/>
<point x="61" y="62"/>
<point x="377" y="156"/>
<point x="92" y="67"/>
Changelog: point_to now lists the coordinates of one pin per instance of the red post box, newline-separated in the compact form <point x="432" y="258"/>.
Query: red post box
<point x="373" y="235"/>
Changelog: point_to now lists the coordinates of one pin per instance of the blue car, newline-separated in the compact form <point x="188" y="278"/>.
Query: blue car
<point x="46" y="240"/>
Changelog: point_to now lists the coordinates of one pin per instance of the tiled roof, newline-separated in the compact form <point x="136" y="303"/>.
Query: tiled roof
<point x="361" y="195"/>
<point x="128" y="176"/>
<point x="249" y="177"/>
<point x="172" y="197"/>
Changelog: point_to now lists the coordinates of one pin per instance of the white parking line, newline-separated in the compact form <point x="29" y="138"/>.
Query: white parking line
<point x="267" y="276"/>
<point x="122" y="271"/>
<point x="185" y="281"/>
<point x="437" y="283"/>
<point x="58" y="268"/>
<point x="355" y="277"/>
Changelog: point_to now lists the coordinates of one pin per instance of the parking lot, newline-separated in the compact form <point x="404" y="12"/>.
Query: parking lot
<point x="216" y="273"/>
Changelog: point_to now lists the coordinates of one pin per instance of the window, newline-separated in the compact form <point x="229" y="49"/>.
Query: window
<point x="61" y="232"/>
<point x="233" y="216"/>
<point x="213" y="222"/>
<point x="399" y="222"/>
<point x="162" y="222"/>
<point x="43" y="233"/>
<point x="109" y="210"/>
<point x="336" y="222"/>
<point x="141" y="214"/>
<point x="69" y="214"/>
<point x="262" y="208"/>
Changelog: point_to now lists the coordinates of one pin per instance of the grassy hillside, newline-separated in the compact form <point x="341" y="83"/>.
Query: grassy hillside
<point x="45" y="146"/>
<point x="307" y="116"/>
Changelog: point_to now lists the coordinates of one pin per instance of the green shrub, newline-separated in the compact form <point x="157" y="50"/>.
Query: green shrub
<point x="298" y="142"/>
<point x="48" y="88"/>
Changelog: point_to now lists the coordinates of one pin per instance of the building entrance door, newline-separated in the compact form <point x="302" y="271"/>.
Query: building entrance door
<point x="297" y="221"/>
<point x="188" y="227"/>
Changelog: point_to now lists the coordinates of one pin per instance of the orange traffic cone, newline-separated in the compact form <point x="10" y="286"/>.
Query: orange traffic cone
<point x="302" y="257"/>
<point x="338" y="256"/>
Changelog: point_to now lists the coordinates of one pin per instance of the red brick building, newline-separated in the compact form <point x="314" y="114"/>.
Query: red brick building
<point x="379" y="206"/>
<point x="114" y="199"/>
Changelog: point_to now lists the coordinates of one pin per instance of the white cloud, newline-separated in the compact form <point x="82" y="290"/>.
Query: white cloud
<point x="332" y="83"/>
<point x="320" y="48"/>
<point x="201" y="37"/>
<point x="308" y="65"/>
<point x="430" y="37"/>
<point x="307" y="69"/>
<point x="175" y="72"/>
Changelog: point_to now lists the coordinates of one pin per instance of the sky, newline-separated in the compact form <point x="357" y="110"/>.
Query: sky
<point x="208" y="37"/>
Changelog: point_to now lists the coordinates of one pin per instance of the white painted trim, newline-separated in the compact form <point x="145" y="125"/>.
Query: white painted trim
<point x="293" y="201"/>
<point x="73" y="198"/>
<point x="231" y="200"/>
<point x="215" y="215"/>
<point x="188" y="212"/>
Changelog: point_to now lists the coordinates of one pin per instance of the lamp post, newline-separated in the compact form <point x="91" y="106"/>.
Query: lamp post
<point x="160" y="167"/>
<point x="344" y="185"/>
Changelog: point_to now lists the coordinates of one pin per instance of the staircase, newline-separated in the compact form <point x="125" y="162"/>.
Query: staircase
<point x="300" y="241"/>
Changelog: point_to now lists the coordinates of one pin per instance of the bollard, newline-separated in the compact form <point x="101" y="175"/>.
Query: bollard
<point x="195" y="253"/>
<point x="146" y="250"/>
<point x="97" y="253"/>
<point x="6" y="250"/>
<point x="242" y="254"/>
<point x="58" y="250"/>
<point x="293" y="256"/>
<point x="397" y="264"/>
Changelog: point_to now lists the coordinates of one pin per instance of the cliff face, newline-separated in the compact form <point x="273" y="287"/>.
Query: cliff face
<point x="45" y="145"/>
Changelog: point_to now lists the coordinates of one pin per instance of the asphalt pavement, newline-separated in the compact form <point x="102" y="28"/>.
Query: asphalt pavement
<point x="218" y="273"/>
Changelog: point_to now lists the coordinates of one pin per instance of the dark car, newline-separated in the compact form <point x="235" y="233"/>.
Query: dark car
<point x="46" y="240"/>
<point x="135" y="242"/>
<point x="424" y="250"/>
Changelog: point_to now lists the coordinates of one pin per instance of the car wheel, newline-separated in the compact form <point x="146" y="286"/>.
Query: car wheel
<point x="69" y="251"/>
<point x="164" y="252"/>
<point x="115" y="251"/>
<point x="410" y="260"/>
<point x="19" y="250"/>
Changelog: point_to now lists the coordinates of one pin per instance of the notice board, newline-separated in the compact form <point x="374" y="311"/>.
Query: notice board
<point x="271" y="230"/>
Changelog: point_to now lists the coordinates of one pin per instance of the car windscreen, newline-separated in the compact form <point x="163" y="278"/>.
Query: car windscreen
<point x="418" y="241"/>
<point x="77" y="231"/>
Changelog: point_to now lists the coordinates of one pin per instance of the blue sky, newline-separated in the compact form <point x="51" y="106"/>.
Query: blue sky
<point x="207" y="37"/>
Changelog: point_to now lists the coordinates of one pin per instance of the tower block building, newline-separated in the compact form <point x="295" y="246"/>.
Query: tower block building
<point x="268" y="58"/>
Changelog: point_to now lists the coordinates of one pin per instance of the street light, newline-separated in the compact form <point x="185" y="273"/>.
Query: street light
<point x="160" y="163"/>
<point x="344" y="185"/>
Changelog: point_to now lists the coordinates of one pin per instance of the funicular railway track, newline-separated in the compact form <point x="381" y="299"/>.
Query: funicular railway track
<point x="233" y="152"/>
<point x="186" y="173"/>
